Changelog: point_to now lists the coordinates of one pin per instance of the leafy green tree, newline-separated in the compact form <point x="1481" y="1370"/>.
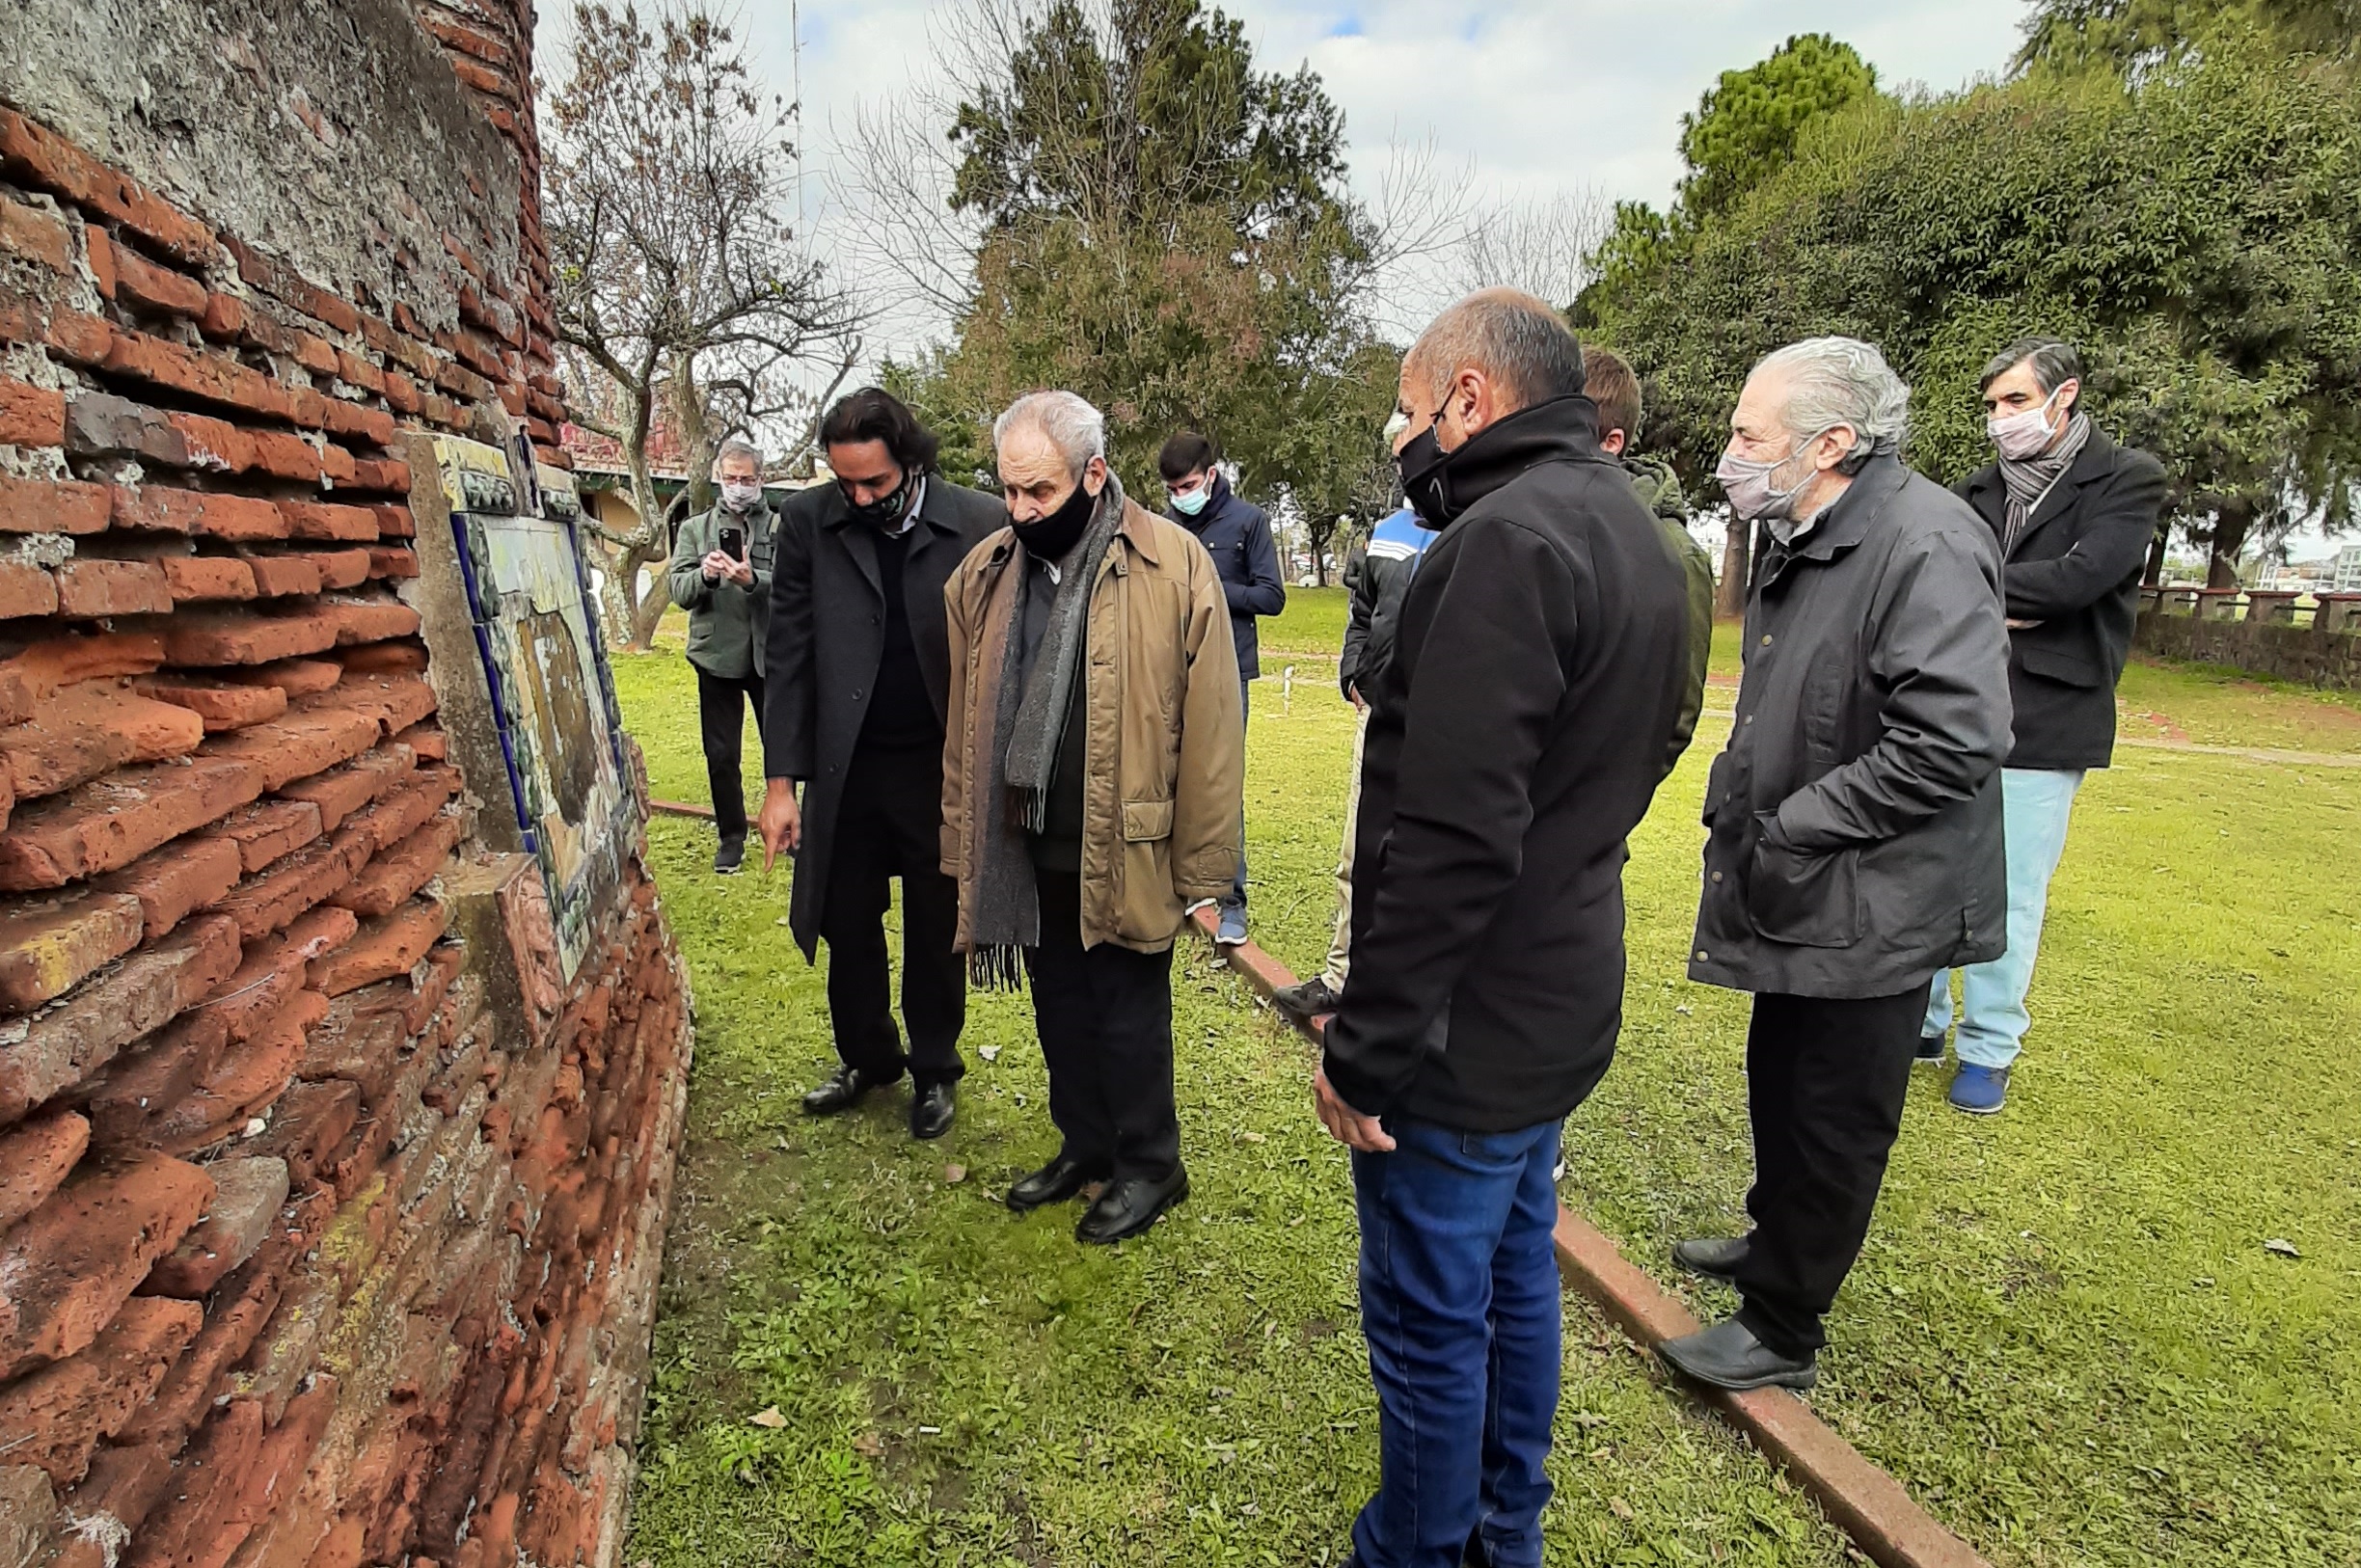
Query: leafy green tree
<point x="2132" y="36"/>
<point x="1748" y="119"/>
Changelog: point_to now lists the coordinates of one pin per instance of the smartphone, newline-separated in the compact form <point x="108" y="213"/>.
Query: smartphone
<point x="733" y="542"/>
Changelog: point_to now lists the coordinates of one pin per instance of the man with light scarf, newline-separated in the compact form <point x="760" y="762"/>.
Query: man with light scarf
<point x="2074" y="514"/>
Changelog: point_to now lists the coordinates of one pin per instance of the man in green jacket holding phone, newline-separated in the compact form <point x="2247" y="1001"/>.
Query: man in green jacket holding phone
<point x="721" y="575"/>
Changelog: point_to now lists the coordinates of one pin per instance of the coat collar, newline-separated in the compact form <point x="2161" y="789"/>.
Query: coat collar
<point x="1988" y="494"/>
<point x="934" y="505"/>
<point x="1847" y="523"/>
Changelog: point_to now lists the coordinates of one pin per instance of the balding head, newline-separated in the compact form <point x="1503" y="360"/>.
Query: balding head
<point x="1494" y="353"/>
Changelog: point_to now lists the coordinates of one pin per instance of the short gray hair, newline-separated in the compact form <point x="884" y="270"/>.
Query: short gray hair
<point x="735" y="447"/>
<point x="1833" y="381"/>
<point x="1512" y="336"/>
<point x="2054" y="363"/>
<point x="1077" y="430"/>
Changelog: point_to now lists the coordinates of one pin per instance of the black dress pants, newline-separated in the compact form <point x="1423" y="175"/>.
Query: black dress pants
<point x="1104" y="1017"/>
<point x="722" y="723"/>
<point x="1825" y="1082"/>
<point x="890" y="824"/>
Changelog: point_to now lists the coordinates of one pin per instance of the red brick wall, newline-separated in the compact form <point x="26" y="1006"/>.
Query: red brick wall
<point x="317" y="1246"/>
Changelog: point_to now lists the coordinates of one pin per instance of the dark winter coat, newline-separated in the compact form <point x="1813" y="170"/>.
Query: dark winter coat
<point x="1514" y="740"/>
<point x="1373" y="613"/>
<point x="1238" y="535"/>
<point x="1853" y="820"/>
<point x="826" y="639"/>
<point x="2074" y="574"/>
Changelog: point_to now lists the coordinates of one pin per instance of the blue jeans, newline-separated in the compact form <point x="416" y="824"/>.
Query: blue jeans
<point x="2035" y="804"/>
<point x="1459" y="1303"/>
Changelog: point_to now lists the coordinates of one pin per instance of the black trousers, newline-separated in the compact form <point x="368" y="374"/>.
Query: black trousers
<point x="722" y="720"/>
<point x="1825" y="1082"/>
<point x="1104" y="1017"/>
<point x="890" y="825"/>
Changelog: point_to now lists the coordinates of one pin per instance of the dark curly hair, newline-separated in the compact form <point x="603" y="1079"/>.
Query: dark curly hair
<point x="874" y="414"/>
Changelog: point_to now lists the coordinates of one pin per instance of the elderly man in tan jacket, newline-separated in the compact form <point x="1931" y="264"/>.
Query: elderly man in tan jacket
<point x="1092" y="776"/>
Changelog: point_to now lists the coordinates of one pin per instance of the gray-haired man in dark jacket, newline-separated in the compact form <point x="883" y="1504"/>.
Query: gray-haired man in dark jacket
<point x="1853" y="824"/>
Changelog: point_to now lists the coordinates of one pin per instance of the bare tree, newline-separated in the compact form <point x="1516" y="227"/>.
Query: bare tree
<point x="681" y="291"/>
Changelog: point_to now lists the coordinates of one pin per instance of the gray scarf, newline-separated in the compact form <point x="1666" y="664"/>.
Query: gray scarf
<point x="1028" y="725"/>
<point x="2029" y="481"/>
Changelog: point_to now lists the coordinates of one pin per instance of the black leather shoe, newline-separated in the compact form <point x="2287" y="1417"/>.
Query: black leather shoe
<point x="1129" y="1207"/>
<point x="1930" y="1048"/>
<point x="1053" y="1184"/>
<point x="846" y="1088"/>
<point x="1307" y="1001"/>
<point x="1715" y="1258"/>
<point x="1729" y="1356"/>
<point x="730" y="856"/>
<point x="932" y="1109"/>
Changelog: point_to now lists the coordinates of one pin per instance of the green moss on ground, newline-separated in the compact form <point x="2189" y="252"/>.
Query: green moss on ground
<point x="2066" y="1338"/>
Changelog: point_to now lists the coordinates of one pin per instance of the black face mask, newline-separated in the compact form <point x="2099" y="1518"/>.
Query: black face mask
<point x="884" y="512"/>
<point x="1052" y="537"/>
<point x="1426" y="479"/>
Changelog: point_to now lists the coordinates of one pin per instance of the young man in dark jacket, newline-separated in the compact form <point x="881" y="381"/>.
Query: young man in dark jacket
<point x="859" y="680"/>
<point x="1515" y="738"/>
<point x="1853" y="825"/>
<point x="2074" y="514"/>
<point x="1238" y="535"/>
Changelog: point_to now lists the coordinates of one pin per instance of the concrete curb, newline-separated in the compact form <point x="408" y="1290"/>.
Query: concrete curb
<point x="1865" y="1503"/>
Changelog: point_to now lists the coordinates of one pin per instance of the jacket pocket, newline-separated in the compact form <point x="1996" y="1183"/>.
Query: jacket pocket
<point x="1144" y="822"/>
<point x="2057" y="664"/>
<point x="1716" y="788"/>
<point x="1801" y="898"/>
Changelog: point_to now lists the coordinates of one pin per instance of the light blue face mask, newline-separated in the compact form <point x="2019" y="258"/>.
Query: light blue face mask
<point x="1190" y="505"/>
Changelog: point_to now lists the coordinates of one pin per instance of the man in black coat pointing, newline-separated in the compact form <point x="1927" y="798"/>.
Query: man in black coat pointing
<point x="858" y="674"/>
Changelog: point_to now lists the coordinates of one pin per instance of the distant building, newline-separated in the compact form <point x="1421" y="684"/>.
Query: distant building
<point x="2347" y="576"/>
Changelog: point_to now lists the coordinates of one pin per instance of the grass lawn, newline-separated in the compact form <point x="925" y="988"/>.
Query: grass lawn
<point x="2066" y="1335"/>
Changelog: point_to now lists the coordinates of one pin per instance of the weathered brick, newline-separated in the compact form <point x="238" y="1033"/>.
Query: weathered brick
<point x="382" y="659"/>
<point x="329" y="519"/>
<point x="86" y="730"/>
<point x="271" y="1482"/>
<point x="426" y="742"/>
<point x="250" y="1192"/>
<point x="220" y="705"/>
<point x="50" y="942"/>
<point x="198" y="374"/>
<point x="158" y="509"/>
<point x="195" y="579"/>
<point x="337" y="568"/>
<point x="395" y="522"/>
<point x="339" y="793"/>
<point x="403" y="810"/>
<point x="100" y="424"/>
<point x="283" y="456"/>
<point x="125" y="1484"/>
<point x="356" y="422"/>
<point x="84" y="339"/>
<point x="399" y="871"/>
<point x="27" y="590"/>
<point x="296" y="677"/>
<point x="393" y="564"/>
<point x="111" y="822"/>
<point x="267" y="900"/>
<point x="56" y="1415"/>
<point x="53" y="506"/>
<point x="315" y="354"/>
<point x="223" y="318"/>
<point x="66" y="1043"/>
<point x="352" y="368"/>
<point x="35" y="1156"/>
<point x="403" y="392"/>
<point x="176" y="882"/>
<point x="36" y="235"/>
<point x="183" y="1530"/>
<point x="290" y="286"/>
<point x="300" y="744"/>
<point x="277" y="577"/>
<point x="336" y="466"/>
<point x="389" y="474"/>
<point x="311" y="1121"/>
<point x="247" y="637"/>
<point x="270" y="828"/>
<point x="40" y="671"/>
<point x="69" y="1267"/>
<point x="383" y="948"/>
<point x="41" y="157"/>
<point x="35" y="417"/>
<point x="215" y="445"/>
<point x="159" y="288"/>
<point x="90" y="589"/>
<point x="243" y="1084"/>
<point x="361" y="619"/>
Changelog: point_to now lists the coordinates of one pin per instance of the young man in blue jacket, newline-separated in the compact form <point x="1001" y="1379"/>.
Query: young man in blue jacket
<point x="1238" y="535"/>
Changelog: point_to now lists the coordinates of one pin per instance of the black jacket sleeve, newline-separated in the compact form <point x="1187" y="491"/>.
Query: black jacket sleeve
<point x="1358" y="603"/>
<point x="1263" y="593"/>
<point x="1492" y="654"/>
<point x="2118" y="524"/>
<point x="791" y="698"/>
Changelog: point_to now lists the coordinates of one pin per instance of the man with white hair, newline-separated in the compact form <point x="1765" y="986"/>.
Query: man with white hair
<point x="1517" y="731"/>
<point x="1091" y="772"/>
<point x="1854" y="843"/>
<point x="720" y="574"/>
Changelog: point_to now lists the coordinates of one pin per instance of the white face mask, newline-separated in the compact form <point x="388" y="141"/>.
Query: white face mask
<point x="739" y="498"/>
<point x="2026" y="433"/>
<point x="1746" y="483"/>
